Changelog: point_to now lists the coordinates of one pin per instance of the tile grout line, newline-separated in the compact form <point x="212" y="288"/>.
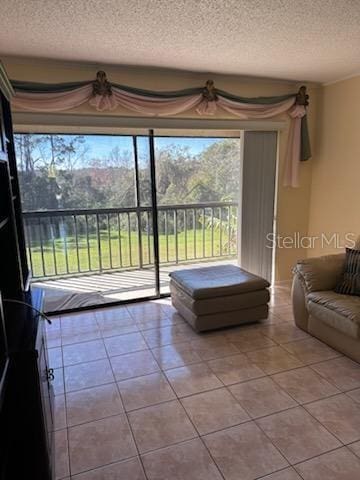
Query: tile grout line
<point x="205" y="362"/>
<point x="263" y="477"/>
<point x="330" y="380"/>
<point x="193" y="363"/>
<point x="188" y="341"/>
<point x="193" y="425"/>
<point x="88" y="361"/>
<point x="187" y="416"/>
<point x="72" y="477"/>
<point x="129" y="424"/>
<point x="251" y="418"/>
<point x="317" y="456"/>
<point x="314" y="418"/>
<point x="311" y="401"/>
<point x="65" y="402"/>
<point x="326" y="428"/>
<point x="283" y="455"/>
<point x="226" y="386"/>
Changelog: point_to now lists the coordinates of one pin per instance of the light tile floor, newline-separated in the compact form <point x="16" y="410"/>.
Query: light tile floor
<point x="140" y="395"/>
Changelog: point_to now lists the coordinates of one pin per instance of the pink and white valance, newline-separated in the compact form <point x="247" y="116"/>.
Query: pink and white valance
<point x="104" y="96"/>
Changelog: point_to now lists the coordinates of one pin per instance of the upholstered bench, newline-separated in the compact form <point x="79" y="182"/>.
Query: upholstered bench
<point x="219" y="296"/>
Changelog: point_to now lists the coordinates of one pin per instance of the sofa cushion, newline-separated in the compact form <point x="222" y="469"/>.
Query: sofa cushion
<point x="320" y="273"/>
<point x="341" y="312"/>
<point x="217" y="281"/>
<point x="349" y="284"/>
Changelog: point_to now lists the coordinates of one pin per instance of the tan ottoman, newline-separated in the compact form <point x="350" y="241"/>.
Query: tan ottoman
<point x="219" y="296"/>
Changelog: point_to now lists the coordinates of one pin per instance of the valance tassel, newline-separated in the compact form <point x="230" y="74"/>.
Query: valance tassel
<point x="102" y="97"/>
<point x="101" y="86"/>
<point x="209" y="92"/>
<point x="302" y="98"/>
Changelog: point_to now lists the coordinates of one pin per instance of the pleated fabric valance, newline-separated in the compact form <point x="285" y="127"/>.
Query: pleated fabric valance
<point x="106" y="96"/>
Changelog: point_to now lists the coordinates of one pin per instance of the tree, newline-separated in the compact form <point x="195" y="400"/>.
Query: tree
<point x="174" y="167"/>
<point x="57" y="171"/>
<point x="39" y="158"/>
<point x="114" y="176"/>
<point x="218" y="176"/>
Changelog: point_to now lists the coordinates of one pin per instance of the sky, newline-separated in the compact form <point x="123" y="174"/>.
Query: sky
<point x="101" y="145"/>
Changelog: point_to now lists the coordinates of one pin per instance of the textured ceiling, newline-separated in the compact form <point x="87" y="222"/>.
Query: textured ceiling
<point x="316" y="40"/>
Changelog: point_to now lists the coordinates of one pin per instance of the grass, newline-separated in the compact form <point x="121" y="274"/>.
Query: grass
<point x="60" y="257"/>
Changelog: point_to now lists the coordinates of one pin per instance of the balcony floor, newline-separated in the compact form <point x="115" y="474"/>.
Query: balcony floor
<point x="100" y="288"/>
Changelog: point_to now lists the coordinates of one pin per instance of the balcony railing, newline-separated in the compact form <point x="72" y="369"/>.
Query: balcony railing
<point x="71" y="242"/>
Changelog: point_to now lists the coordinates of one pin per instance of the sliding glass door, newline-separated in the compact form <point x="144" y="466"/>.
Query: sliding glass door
<point x="89" y="217"/>
<point x="198" y="186"/>
<point x="108" y="217"/>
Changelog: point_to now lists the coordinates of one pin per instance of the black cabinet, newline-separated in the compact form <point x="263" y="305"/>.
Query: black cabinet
<point x="26" y="417"/>
<point x="26" y="397"/>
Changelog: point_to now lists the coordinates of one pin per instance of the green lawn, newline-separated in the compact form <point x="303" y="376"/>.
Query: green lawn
<point x="83" y="255"/>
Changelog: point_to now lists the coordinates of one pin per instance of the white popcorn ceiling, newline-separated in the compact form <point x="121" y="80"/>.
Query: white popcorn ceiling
<point x="313" y="40"/>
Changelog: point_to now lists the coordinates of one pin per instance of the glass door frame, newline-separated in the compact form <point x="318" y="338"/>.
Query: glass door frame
<point x="154" y="214"/>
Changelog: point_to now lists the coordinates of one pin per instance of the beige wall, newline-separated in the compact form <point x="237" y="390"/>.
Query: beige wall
<point x="334" y="206"/>
<point x="292" y="204"/>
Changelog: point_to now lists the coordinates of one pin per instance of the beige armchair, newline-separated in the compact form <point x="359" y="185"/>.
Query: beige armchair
<point x="329" y="316"/>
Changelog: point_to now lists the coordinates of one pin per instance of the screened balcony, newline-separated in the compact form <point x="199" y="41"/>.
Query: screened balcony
<point x="101" y="255"/>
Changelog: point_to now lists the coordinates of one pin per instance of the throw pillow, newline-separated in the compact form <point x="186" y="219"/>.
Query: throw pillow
<point x="349" y="284"/>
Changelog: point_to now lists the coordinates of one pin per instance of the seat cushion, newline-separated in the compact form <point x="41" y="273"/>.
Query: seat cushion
<point x="341" y="312"/>
<point x="213" y="321"/>
<point x="217" y="281"/>
<point x="227" y="303"/>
